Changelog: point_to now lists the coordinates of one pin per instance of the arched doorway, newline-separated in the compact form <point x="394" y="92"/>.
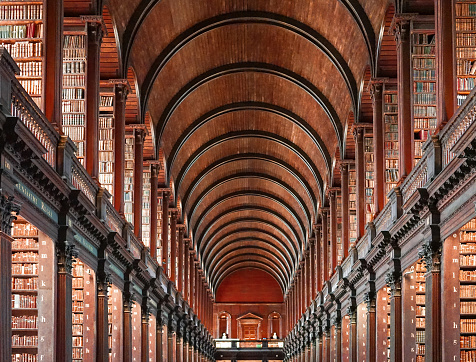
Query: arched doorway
<point x="249" y="327"/>
<point x="224" y="324"/>
<point x="274" y="325"/>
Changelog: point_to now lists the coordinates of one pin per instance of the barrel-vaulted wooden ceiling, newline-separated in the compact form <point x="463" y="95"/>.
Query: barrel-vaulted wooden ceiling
<point x="250" y="104"/>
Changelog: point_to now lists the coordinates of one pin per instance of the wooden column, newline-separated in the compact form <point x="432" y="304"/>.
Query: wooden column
<point x="376" y="92"/>
<point x="185" y="350"/>
<point x="404" y="66"/>
<point x="325" y="243"/>
<point x="64" y="297"/>
<point x="352" y="312"/>
<point x="173" y="247"/>
<point x="154" y="173"/>
<point x="344" y="172"/>
<point x="308" y="275"/>
<point x="53" y="73"/>
<point x="191" y="294"/>
<point x="320" y="348"/>
<point x="95" y="33"/>
<point x="5" y="296"/>
<point x="159" y="337"/>
<point x="338" y="339"/>
<point x="181" y="258"/>
<point x="298" y="294"/>
<point x="127" y="327"/>
<point x="121" y="91"/>
<point x="445" y="61"/>
<point x="394" y="282"/>
<point x="371" y="327"/>
<point x="165" y="230"/>
<point x="312" y="267"/>
<point x="139" y="136"/>
<point x="179" y="348"/>
<point x="327" y="344"/>
<point x="186" y="275"/>
<point x="102" y="328"/>
<point x="144" y="333"/>
<point x="360" y="179"/>
<point x="319" y="266"/>
<point x="172" y="340"/>
<point x="333" y="227"/>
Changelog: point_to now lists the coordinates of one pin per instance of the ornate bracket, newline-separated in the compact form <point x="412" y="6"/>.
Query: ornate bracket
<point x="9" y="210"/>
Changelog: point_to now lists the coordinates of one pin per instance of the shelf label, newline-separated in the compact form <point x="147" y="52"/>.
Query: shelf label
<point x="35" y="200"/>
<point x="86" y="244"/>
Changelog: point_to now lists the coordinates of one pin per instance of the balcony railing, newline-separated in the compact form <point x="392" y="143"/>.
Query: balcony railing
<point x="237" y="343"/>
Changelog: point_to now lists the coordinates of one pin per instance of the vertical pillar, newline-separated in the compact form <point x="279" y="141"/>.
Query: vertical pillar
<point x="338" y="339"/>
<point x="191" y="348"/>
<point x="333" y="227"/>
<point x="144" y="333"/>
<point x="309" y="273"/>
<point x="325" y="243"/>
<point x="445" y="61"/>
<point x="344" y="172"/>
<point x="327" y="344"/>
<point x="165" y="230"/>
<point x="159" y="337"/>
<point x="352" y="312"/>
<point x="139" y="135"/>
<point x="191" y="294"/>
<point x="95" y="33"/>
<point x="318" y="265"/>
<point x="154" y="174"/>
<point x="185" y="348"/>
<point x="320" y="346"/>
<point x="64" y="298"/>
<point x="53" y="61"/>
<point x="173" y="247"/>
<point x="376" y="92"/>
<point x="371" y="326"/>
<point x="393" y="280"/>
<point x="127" y="327"/>
<point x="405" y="123"/>
<point x="172" y="340"/>
<point x="178" y="346"/>
<point x="121" y="91"/>
<point x="181" y="253"/>
<point x="186" y="269"/>
<point x="102" y="348"/>
<point x="360" y="179"/>
<point x="312" y="270"/>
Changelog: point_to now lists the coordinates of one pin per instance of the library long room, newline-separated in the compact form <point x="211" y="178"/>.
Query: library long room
<point x="225" y="181"/>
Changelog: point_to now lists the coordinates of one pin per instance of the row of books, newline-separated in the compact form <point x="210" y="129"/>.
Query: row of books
<point x="33" y="87"/>
<point x="468" y="307"/>
<point x="106" y="133"/>
<point x="423" y="39"/>
<point x="24" y="341"/>
<point x="425" y="123"/>
<point x="421" y="348"/>
<point x="74" y="42"/>
<point x="467" y="275"/>
<point x="466" y="53"/>
<point x="465" y="40"/>
<point x="424" y="111"/>
<point x="465" y="9"/>
<point x="106" y="178"/>
<point x="25" y="243"/>
<point x="24" y="229"/>
<point x="78" y="283"/>
<point x="21" y="12"/>
<point x="391" y="175"/>
<point x="391" y="127"/>
<point x="25" y="269"/>
<point x="74" y="93"/>
<point x="24" y="301"/>
<point x="106" y="151"/>
<point x="424" y="74"/>
<point x="31" y="30"/>
<point x="78" y="306"/>
<point x="420" y="310"/>
<point x="420" y="337"/>
<point x="467" y="356"/>
<point x="77" y="329"/>
<point x="25" y="283"/>
<point x="74" y="54"/>
<point x="77" y="318"/>
<point x="465" y="84"/>
<point x="391" y="163"/>
<point x="460" y="99"/>
<point x="425" y="63"/>
<point x="71" y="106"/>
<point x="25" y="321"/>
<point x="106" y="101"/>
<point x="424" y="86"/>
<point x="390" y="108"/>
<point x="470" y="247"/>
<point x="78" y="294"/>
<point x="24" y="357"/>
<point x="24" y="49"/>
<point x="420" y="299"/>
<point x="467" y="236"/>
<point x="74" y="80"/>
<point x="420" y="323"/>
<point x="468" y="325"/>
<point x="424" y="98"/>
<point x="391" y="153"/>
<point x="423" y="50"/>
<point x="467" y="341"/>
<point x="73" y="119"/>
<point x="31" y="69"/>
<point x="390" y="98"/>
<point x="74" y="67"/>
<point x="465" y="24"/>
<point x="77" y="341"/>
<point x="467" y="291"/>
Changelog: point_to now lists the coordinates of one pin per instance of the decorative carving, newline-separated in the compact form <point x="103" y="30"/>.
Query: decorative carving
<point x="9" y="210"/>
<point x="400" y="27"/>
<point x="431" y="254"/>
<point x="65" y="254"/>
<point x="393" y="280"/>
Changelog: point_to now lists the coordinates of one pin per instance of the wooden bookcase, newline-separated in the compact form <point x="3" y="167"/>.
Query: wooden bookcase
<point x="74" y="86"/>
<point x="109" y="322"/>
<point x="146" y="206"/>
<point x="424" y="84"/>
<point x="369" y="177"/>
<point x="390" y="119"/>
<point x="106" y="139"/>
<point x="129" y="179"/>
<point x="115" y="329"/>
<point x="21" y="34"/>
<point x="420" y="271"/>
<point x="465" y="42"/>
<point x="78" y="309"/>
<point x="159" y="229"/>
<point x="136" y="331"/>
<point x="383" y="324"/>
<point x="352" y="205"/>
<point x="340" y="249"/>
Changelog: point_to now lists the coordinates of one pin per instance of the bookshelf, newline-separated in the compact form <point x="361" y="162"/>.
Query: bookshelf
<point x="465" y="42"/>
<point x="340" y="249"/>
<point x="78" y="310"/>
<point x="467" y="281"/>
<point x="352" y="205"/>
<point x="420" y="271"/>
<point x="390" y="118"/>
<point x="109" y="322"/>
<point x="369" y="177"/>
<point x="106" y="140"/>
<point x="146" y="206"/>
<point x="136" y="332"/>
<point x="25" y="290"/>
<point x="21" y="34"/>
<point x="424" y="86"/>
<point x="115" y="329"/>
<point x="383" y="324"/>
<point x="159" y="229"/>
<point x="74" y="89"/>
<point x="129" y="179"/>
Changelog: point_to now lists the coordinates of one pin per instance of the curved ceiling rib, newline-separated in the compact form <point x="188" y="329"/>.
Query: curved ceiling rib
<point x="223" y="181"/>
<point x="257" y="193"/>
<point x="228" y="69"/>
<point x="250" y="134"/>
<point x="250" y="17"/>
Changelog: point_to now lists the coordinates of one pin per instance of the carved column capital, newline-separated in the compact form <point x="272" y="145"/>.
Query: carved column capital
<point x="65" y="254"/>
<point x="96" y="28"/>
<point x="400" y="26"/>
<point x="393" y="279"/>
<point x="431" y="254"/>
<point x="9" y="210"/>
<point x="369" y="299"/>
